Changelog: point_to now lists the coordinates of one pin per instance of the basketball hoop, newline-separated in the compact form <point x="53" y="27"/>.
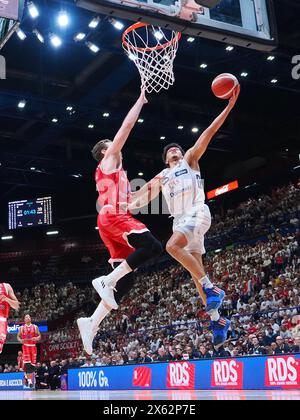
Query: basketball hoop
<point x="153" y="52"/>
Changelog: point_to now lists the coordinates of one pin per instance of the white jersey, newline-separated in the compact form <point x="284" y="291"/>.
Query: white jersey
<point x="183" y="189"/>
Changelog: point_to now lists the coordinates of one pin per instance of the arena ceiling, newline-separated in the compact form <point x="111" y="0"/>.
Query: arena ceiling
<point x="45" y="148"/>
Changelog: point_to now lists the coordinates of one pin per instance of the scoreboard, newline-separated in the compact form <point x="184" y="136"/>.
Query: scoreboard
<point x="29" y="213"/>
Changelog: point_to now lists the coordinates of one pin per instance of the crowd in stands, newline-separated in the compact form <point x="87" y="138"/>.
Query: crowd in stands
<point x="256" y="217"/>
<point x="50" y="302"/>
<point x="163" y="319"/>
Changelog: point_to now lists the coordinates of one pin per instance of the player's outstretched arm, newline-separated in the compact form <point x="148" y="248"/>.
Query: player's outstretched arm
<point x="128" y="124"/>
<point x="146" y="194"/>
<point x="198" y="150"/>
<point x="11" y="299"/>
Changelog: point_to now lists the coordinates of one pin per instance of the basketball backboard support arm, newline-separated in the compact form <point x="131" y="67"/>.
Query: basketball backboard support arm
<point x="254" y="28"/>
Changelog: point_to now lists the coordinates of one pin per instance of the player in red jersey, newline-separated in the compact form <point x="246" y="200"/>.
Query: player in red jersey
<point x="20" y="361"/>
<point x="128" y="241"/>
<point x="29" y="335"/>
<point x="7" y="300"/>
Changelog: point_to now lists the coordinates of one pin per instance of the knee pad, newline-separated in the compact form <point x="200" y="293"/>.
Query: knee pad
<point x="147" y="242"/>
<point x="29" y="368"/>
<point x="146" y="247"/>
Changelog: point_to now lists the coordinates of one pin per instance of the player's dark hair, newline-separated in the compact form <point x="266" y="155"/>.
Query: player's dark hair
<point x="168" y="147"/>
<point x="98" y="148"/>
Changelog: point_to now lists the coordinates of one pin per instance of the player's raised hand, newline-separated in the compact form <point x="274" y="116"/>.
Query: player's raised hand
<point x="143" y="96"/>
<point x="234" y="98"/>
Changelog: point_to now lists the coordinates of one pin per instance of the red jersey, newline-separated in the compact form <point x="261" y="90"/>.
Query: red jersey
<point x="27" y="333"/>
<point x="4" y="306"/>
<point x="113" y="188"/>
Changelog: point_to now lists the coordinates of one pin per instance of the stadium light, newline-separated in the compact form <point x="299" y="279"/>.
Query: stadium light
<point x="79" y="37"/>
<point x="54" y="120"/>
<point x="55" y="40"/>
<point x="158" y="35"/>
<point x="39" y="36"/>
<point x="229" y="48"/>
<point x="52" y="232"/>
<point x="63" y="19"/>
<point x="21" y="34"/>
<point x="94" y="48"/>
<point x="6" y="238"/>
<point x="203" y="66"/>
<point x="22" y="104"/>
<point x="195" y="130"/>
<point x="190" y="39"/>
<point x="33" y="10"/>
<point x="117" y="24"/>
<point x="94" y="22"/>
<point x="244" y="74"/>
<point x="105" y="115"/>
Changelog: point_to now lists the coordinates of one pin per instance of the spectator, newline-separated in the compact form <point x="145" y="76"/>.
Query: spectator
<point x="41" y="376"/>
<point x="54" y="375"/>
<point x="162" y="355"/>
<point x="144" y="358"/>
<point x="257" y="349"/>
<point x="281" y="347"/>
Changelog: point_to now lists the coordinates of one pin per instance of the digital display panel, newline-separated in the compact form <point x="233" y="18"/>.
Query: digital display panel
<point x="30" y="213"/>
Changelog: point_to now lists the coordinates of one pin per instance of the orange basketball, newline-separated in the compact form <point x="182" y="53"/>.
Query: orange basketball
<point x="224" y="85"/>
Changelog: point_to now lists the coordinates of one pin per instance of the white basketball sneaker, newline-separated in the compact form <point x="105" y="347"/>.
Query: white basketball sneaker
<point x="86" y="333"/>
<point x="106" y="291"/>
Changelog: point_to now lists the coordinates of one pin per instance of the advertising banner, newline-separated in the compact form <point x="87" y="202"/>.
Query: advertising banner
<point x="223" y="190"/>
<point x="256" y="372"/>
<point x="11" y="381"/>
<point x="58" y="350"/>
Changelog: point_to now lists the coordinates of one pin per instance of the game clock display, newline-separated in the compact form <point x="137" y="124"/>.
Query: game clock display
<point x="30" y="213"/>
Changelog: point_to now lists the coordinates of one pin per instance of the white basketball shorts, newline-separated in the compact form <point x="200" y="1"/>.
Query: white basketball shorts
<point x="194" y="226"/>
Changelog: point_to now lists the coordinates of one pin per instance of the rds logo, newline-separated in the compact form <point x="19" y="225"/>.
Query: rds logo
<point x="282" y="371"/>
<point x="227" y="374"/>
<point x="181" y="375"/>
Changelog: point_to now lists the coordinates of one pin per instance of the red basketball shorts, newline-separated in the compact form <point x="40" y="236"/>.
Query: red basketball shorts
<point x="114" y="230"/>
<point x="29" y="354"/>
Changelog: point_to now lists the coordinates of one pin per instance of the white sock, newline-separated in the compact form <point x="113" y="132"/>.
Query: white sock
<point x="100" y="313"/>
<point x="206" y="283"/>
<point x="214" y="315"/>
<point x="118" y="273"/>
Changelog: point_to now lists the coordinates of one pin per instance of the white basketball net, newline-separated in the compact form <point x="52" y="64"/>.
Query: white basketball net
<point x="153" y="52"/>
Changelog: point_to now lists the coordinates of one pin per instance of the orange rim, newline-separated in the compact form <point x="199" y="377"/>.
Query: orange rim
<point x="158" y="47"/>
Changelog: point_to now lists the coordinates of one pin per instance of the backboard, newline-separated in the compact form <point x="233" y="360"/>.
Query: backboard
<point x="10" y="15"/>
<point x="248" y="23"/>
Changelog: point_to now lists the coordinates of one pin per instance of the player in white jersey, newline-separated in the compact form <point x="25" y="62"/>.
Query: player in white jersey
<point x="183" y="189"/>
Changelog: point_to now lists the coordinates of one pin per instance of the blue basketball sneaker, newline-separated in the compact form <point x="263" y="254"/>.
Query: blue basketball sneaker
<point x="214" y="298"/>
<point x="220" y="329"/>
